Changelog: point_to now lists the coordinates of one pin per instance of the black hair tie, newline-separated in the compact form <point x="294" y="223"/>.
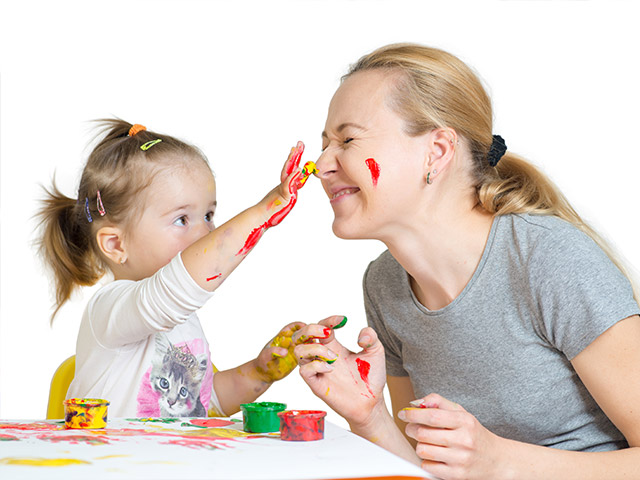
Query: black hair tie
<point x="497" y="150"/>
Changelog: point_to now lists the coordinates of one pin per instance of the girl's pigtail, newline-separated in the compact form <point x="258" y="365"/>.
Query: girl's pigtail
<point x="65" y="245"/>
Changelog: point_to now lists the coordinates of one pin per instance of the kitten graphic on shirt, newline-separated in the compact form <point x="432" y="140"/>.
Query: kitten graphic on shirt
<point x="177" y="376"/>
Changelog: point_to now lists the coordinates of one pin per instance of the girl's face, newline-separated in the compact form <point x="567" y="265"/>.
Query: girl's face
<point x="370" y="168"/>
<point x="178" y="210"/>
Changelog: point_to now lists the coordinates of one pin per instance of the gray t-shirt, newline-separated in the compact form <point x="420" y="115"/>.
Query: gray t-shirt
<point x="542" y="292"/>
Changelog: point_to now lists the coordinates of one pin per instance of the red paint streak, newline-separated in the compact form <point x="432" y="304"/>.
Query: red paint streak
<point x="31" y="426"/>
<point x="374" y="168"/>
<point x="363" y="369"/>
<point x="326" y="331"/>
<point x="210" y="422"/>
<point x="276" y="218"/>
<point x="214" y="277"/>
<point x="77" y="439"/>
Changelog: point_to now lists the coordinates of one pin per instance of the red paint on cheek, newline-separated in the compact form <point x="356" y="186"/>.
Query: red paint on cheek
<point x="374" y="168"/>
<point x="363" y="369"/>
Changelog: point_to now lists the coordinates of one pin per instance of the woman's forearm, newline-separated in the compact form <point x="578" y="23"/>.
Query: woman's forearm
<point x="533" y="462"/>
<point x="383" y="431"/>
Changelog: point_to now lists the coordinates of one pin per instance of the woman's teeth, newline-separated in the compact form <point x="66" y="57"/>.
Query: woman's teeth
<point x="344" y="192"/>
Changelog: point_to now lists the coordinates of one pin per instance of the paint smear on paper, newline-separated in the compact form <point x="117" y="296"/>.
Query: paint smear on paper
<point x="42" y="462"/>
<point x="363" y="369"/>
<point x="210" y="422"/>
<point x="374" y="168"/>
<point x="32" y="426"/>
<point x="76" y="439"/>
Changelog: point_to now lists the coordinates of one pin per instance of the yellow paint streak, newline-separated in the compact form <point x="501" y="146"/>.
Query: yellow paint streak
<point x="42" y="462"/>
<point x="107" y="457"/>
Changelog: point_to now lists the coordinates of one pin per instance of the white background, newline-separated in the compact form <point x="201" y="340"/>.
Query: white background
<point x="244" y="81"/>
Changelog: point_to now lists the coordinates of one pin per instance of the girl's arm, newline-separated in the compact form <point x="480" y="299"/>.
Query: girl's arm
<point x="453" y="444"/>
<point x="212" y="258"/>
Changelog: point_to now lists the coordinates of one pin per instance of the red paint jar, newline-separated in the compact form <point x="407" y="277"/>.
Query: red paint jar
<point x="302" y="425"/>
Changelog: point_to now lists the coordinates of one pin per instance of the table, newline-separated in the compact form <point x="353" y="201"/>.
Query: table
<point x="189" y="448"/>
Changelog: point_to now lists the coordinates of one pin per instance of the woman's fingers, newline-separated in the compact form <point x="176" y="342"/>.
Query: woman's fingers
<point x="306" y="353"/>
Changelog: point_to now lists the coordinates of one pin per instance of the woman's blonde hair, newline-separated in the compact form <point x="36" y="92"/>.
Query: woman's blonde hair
<point x="117" y="171"/>
<point x="435" y="89"/>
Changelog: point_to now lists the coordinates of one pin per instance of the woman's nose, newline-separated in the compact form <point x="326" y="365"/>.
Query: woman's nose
<point x="326" y="164"/>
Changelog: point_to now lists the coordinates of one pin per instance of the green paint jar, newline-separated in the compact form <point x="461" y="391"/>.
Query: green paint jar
<point x="261" y="417"/>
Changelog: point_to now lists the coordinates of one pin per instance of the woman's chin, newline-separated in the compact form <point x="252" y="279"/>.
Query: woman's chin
<point x="346" y="230"/>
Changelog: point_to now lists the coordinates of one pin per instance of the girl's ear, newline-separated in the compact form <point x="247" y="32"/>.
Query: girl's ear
<point x="111" y="243"/>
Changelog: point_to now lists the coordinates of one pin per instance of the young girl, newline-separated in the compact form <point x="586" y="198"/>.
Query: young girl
<point x="144" y="213"/>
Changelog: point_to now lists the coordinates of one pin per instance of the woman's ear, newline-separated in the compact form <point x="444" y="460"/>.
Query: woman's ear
<point x="111" y="243"/>
<point x="441" y="149"/>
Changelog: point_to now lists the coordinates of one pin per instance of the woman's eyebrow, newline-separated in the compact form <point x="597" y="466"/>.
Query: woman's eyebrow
<point x="342" y="126"/>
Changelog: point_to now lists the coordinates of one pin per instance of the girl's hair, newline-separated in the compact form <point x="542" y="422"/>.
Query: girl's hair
<point x="435" y="89"/>
<point x="117" y="171"/>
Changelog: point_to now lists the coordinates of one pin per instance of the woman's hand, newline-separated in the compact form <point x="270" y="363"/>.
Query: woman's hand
<point x="451" y="442"/>
<point x="277" y="360"/>
<point x="352" y="385"/>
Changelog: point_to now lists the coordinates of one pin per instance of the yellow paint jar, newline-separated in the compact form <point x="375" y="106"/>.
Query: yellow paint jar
<point x="85" y="413"/>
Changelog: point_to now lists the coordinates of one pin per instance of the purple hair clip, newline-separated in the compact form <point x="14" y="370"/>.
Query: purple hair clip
<point x="86" y="208"/>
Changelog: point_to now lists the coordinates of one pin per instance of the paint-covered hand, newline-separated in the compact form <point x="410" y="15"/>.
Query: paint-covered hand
<point x="277" y="360"/>
<point x="352" y="384"/>
<point x="280" y="201"/>
<point x="451" y="441"/>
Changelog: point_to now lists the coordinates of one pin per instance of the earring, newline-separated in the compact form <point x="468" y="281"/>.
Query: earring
<point x="429" y="182"/>
<point x="123" y="261"/>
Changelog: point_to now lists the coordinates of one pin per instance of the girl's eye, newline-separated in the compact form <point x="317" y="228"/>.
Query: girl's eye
<point x="208" y="217"/>
<point x="181" y="221"/>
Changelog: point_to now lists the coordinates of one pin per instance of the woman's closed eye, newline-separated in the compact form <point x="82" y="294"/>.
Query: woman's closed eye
<point x="347" y="140"/>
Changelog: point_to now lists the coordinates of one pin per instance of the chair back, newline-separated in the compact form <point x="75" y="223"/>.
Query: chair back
<point x="59" y="385"/>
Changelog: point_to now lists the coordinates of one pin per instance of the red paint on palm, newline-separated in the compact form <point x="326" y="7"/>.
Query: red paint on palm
<point x="363" y="368"/>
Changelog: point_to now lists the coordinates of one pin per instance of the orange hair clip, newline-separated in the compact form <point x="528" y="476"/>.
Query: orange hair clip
<point x="135" y="129"/>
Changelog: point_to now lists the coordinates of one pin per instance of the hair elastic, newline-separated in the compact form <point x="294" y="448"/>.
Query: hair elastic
<point x="86" y="209"/>
<point x="101" y="209"/>
<point x="150" y="144"/>
<point x="497" y="150"/>
<point x="135" y="129"/>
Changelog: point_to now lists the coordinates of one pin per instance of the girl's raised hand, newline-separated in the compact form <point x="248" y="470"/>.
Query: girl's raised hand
<point x="451" y="441"/>
<point x="277" y="360"/>
<point x="352" y="383"/>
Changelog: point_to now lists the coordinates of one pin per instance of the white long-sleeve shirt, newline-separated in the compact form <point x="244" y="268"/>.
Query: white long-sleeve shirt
<point x="142" y="348"/>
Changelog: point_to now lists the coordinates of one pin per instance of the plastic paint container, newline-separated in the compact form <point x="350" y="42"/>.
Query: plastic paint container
<point x="261" y="417"/>
<point x="85" y="413"/>
<point x="302" y="425"/>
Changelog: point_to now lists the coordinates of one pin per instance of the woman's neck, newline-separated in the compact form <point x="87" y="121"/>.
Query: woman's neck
<point x="441" y="254"/>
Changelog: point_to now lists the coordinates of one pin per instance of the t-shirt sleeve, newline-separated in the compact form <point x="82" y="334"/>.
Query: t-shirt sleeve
<point x="392" y="346"/>
<point x="126" y="312"/>
<point x="580" y="291"/>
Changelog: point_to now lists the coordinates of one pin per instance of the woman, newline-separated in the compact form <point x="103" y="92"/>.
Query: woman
<point x="495" y="304"/>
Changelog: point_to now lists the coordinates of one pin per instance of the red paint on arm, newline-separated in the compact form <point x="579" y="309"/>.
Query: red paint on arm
<point x="374" y="168"/>
<point x="214" y="277"/>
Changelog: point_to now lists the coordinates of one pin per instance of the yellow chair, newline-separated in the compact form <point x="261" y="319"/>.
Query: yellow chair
<point x="59" y="385"/>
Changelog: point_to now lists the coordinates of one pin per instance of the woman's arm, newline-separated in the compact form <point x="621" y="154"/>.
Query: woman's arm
<point x="401" y="393"/>
<point x="453" y="444"/>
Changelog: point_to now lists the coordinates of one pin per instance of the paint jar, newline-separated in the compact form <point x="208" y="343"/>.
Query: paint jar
<point x="261" y="417"/>
<point x="85" y="413"/>
<point x="302" y="425"/>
